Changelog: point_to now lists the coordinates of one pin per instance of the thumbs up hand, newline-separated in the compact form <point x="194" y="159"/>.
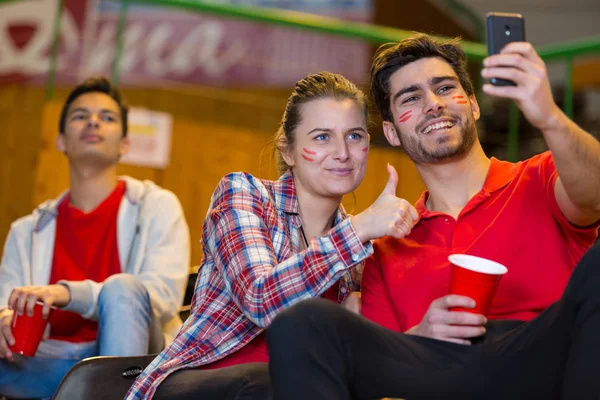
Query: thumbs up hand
<point x="392" y="183"/>
<point x="388" y="215"/>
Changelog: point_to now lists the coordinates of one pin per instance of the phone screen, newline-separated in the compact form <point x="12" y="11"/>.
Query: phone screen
<point x="503" y="28"/>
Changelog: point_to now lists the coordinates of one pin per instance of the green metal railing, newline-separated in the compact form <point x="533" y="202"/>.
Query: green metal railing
<point x="375" y="34"/>
<point x="54" y="51"/>
<point x="120" y="41"/>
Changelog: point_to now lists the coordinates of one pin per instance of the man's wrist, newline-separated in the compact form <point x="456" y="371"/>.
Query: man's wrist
<point x="63" y="297"/>
<point x="557" y="121"/>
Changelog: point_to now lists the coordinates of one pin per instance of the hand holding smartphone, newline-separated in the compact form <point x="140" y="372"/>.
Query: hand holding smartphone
<point x="520" y="73"/>
<point x="503" y="28"/>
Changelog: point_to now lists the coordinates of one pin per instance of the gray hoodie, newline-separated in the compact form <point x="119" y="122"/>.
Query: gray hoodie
<point x="154" y="246"/>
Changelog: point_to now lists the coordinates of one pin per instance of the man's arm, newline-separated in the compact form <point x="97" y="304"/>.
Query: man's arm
<point x="11" y="269"/>
<point x="166" y="265"/>
<point x="577" y="158"/>
<point x="576" y="153"/>
<point x="9" y="278"/>
<point x="16" y="291"/>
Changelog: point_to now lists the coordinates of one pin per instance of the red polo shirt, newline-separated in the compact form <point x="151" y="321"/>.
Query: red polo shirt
<point x="514" y="220"/>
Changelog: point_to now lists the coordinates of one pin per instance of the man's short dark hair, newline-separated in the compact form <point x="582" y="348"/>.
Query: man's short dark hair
<point x="390" y="57"/>
<point x="95" y="85"/>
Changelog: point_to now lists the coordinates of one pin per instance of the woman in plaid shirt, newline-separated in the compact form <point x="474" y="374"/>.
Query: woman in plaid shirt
<point x="271" y="244"/>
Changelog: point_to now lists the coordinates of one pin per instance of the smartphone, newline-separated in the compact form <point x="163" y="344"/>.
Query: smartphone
<point x="503" y="28"/>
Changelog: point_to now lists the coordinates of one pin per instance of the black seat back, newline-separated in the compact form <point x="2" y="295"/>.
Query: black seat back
<point x="101" y="378"/>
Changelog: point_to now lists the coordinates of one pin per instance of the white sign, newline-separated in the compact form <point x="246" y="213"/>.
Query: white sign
<point x="149" y="134"/>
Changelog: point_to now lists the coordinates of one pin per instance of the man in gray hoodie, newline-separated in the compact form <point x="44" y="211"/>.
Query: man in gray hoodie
<point x="111" y="254"/>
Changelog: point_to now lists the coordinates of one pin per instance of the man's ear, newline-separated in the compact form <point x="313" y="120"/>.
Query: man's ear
<point x="475" y="107"/>
<point x="60" y="143"/>
<point x="125" y="145"/>
<point x="389" y="130"/>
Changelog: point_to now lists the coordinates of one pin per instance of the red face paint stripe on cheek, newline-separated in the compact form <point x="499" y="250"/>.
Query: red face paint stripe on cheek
<point x="365" y="149"/>
<point x="461" y="102"/>
<point x="308" y="158"/>
<point x="458" y="97"/>
<point x="405" y="117"/>
<point x="307" y="151"/>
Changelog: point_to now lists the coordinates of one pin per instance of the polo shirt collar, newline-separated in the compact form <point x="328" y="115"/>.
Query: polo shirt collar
<point x="500" y="174"/>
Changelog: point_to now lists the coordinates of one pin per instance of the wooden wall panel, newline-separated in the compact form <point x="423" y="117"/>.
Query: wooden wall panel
<point x="19" y="143"/>
<point x="52" y="169"/>
<point x="585" y="73"/>
<point x="204" y="154"/>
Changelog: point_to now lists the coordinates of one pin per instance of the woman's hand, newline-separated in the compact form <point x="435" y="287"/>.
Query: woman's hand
<point x="389" y="215"/>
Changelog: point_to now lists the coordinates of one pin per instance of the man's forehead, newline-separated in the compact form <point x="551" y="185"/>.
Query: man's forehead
<point x="94" y="101"/>
<point x="421" y="72"/>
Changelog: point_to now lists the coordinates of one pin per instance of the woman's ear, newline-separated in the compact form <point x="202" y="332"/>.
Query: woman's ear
<point x="286" y="154"/>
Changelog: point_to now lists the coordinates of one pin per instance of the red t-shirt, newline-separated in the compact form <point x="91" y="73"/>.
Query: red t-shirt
<point x="514" y="220"/>
<point x="256" y="349"/>
<point x="85" y="247"/>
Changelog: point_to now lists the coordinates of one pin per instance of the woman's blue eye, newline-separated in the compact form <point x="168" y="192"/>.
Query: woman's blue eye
<point x="322" y="136"/>
<point x="355" y="136"/>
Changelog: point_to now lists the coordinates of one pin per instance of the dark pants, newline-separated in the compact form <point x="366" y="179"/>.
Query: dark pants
<point x="320" y="351"/>
<point x="239" y="382"/>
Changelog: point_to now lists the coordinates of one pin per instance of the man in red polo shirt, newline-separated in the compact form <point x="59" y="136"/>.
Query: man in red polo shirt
<point x="111" y="253"/>
<point x="538" y="217"/>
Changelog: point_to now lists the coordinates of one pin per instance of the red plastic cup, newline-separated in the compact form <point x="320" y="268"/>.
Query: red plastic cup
<point x="477" y="278"/>
<point x="28" y="331"/>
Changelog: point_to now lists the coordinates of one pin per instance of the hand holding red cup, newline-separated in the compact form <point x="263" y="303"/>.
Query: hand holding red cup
<point x="25" y="319"/>
<point x="477" y="278"/>
<point x="28" y="330"/>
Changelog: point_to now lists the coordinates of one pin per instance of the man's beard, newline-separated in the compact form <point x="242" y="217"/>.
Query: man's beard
<point x="419" y="154"/>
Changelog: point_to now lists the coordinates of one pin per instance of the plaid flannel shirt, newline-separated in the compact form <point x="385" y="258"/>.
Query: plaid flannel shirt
<point x="252" y="269"/>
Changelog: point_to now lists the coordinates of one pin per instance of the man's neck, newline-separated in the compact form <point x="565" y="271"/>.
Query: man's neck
<point x="452" y="183"/>
<point x="90" y="186"/>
